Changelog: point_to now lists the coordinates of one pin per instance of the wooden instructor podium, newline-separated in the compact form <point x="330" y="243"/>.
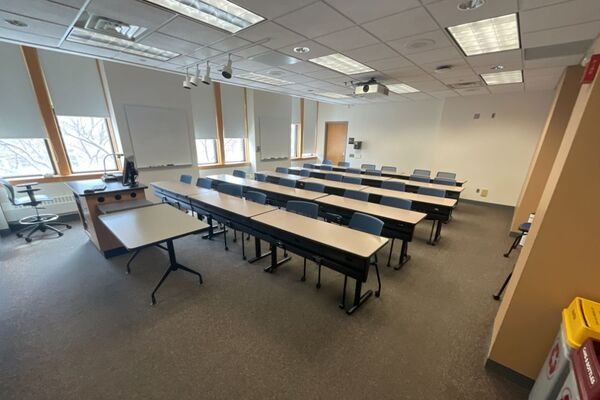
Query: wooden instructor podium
<point x="88" y="204"/>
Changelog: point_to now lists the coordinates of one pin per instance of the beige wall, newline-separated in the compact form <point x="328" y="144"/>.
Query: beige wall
<point x="548" y="145"/>
<point x="559" y="260"/>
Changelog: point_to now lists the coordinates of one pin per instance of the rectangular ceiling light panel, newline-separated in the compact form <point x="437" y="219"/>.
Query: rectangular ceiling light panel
<point x="488" y="35"/>
<point x="341" y="63"/>
<point x="401" y="88"/>
<point x="222" y="14"/>
<point x="502" y="78"/>
<point x="263" y="79"/>
<point x="83" y="36"/>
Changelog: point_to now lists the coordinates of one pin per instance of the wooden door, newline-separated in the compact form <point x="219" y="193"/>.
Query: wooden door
<point x="335" y="141"/>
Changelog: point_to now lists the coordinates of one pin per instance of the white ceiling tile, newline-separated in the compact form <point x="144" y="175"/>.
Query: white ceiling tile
<point x="315" y="20"/>
<point x="446" y="12"/>
<point x="325" y="86"/>
<point x="204" y="52"/>
<point x="428" y="86"/>
<point x="371" y="53"/>
<point x="183" y="60"/>
<point x="363" y="11"/>
<point x="473" y="91"/>
<point x="408" y="72"/>
<point x="510" y="59"/>
<point x="417" y="96"/>
<point x="251" y="51"/>
<point x="512" y="88"/>
<point x="444" y="94"/>
<point x="272" y="9"/>
<point x="426" y="57"/>
<point x="563" y="14"/>
<point x="428" y="41"/>
<point x="89" y="50"/>
<point x="407" y="23"/>
<point x="542" y="73"/>
<point x="171" y="43"/>
<point x="458" y="66"/>
<point x="542" y="83"/>
<point x="230" y="44"/>
<point x="529" y="4"/>
<point x="303" y="67"/>
<point x="278" y="36"/>
<point x="138" y="60"/>
<point x="34" y="26"/>
<point x="41" y="9"/>
<point x="192" y="31"/>
<point x="564" y="34"/>
<point x="252" y="66"/>
<point x="316" y="50"/>
<point x="325" y="73"/>
<point x="131" y="11"/>
<point x="28" y="38"/>
<point x="348" y="39"/>
<point x="396" y="98"/>
<point x="468" y="77"/>
<point x="553" y="62"/>
<point x="389" y="64"/>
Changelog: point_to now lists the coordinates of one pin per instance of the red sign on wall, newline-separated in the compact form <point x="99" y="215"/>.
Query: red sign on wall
<point x="591" y="69"/>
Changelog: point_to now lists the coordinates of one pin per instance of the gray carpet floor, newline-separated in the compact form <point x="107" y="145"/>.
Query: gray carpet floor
<point x="75" y="326"/>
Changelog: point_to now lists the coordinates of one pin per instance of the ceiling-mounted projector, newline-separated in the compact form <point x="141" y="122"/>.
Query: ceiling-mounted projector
<point x="370" y="88"/>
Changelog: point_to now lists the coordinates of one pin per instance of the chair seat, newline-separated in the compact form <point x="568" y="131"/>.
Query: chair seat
<point x="524" y="227"/>
<point x="25" y="200"/>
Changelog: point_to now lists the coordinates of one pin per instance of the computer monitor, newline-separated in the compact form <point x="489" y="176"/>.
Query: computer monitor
<point x="130" y="173"/>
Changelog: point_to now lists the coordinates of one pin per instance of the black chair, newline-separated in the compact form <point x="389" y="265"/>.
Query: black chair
<point x="449" y="175"/>
<point x="334" y="177"/>
<point x="444" y="181"/>
<point x="304" y="172"/>
<point x="326" y="168"/>
<point x="307" y="209"/>
<point x="343" y="164"/>
<point x="204" y="183"/>
<point x="260" y="177"/>
<point x="307" y="165"/>
<point x="398" y="203"/>
<point x="419" y="178"/>
<point x="287" y="182"/>
<point x="37" y="222"/>
<point x="186" y="179"/>
<point x="352" y="179"/>
<point x="424" y="172"/>
<point x="239" y="173"/>
<point x="356" y="195"/>
<point x="282" y="170"/>
<point x="524" y="230"/>
<point x="393" y="185"/>
<point x="353" y="171"/>
<point x="368" y="166"/>
<point x="314" y="187"/>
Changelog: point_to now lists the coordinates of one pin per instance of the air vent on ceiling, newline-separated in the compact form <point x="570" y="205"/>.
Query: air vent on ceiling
<point x="109" y="26"/>
<point x="465" y="85"/>
<point x="558" y="50"/>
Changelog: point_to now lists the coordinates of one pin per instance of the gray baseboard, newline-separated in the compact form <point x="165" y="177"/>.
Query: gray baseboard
<point x="512" y="375"/>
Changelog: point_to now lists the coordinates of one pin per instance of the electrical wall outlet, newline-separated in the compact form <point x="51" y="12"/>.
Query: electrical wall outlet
<point x="351" y="155"/>
<point x="477" y="190"/>
<point x="484" y="192"/>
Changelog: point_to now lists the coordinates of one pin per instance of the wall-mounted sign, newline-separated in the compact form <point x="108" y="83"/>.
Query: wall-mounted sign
<point x="591" y="69"/>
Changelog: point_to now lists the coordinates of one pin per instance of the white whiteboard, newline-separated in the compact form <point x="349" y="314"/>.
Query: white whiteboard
<point x="275" y="136"/>
<point x="160" y="136"/>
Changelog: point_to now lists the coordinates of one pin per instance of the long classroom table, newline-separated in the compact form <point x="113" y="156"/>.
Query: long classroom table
<point x="342" y="249"/>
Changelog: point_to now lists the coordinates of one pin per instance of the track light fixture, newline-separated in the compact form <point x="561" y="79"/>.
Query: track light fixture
<point x="206" y="79"/>
<point x="227" y="70"/>
<point x="186" y="82"/>
<point x="194" y="80"/>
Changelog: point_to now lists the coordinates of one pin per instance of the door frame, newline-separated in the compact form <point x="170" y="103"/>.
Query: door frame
<point x="325" y="137"/>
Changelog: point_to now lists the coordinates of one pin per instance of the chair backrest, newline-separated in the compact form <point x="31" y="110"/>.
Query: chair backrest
<point x="368" y="166"/>
<point x="307" y="165"/>
<point x="425" y="172"/>
<point x="260" y="177"/>
<point x="230" y="189"/>
<point x="366" y="223"/>
<point x="304" y="172"/>
<point x="386" y="168"/>
<point x="305" y="208"/>
<point x="9" y="189"/>
<point x="353" y="171"/>
<point x="395" y="202"/>
<point x="282" y="170"/>
<point x="374" y="172"/>
<point x="256" y="197"/>
<point x="356" y="195"/>
<point x="186" y="179"/>
<point x="204" y="183"/>
<point x="444" y="181"/>
<point x="343" y="164"/>
<point x="392" y="185"/>
<point x="419" y="178"/>
<point x="315" y="187"/>
<point x="326" y="168"/>
<point x="449" y="175"/>
<point x="352" y="179"/>
<point x="432" y="192"/>
<point x="287" y="182"/>
<point x="239" y="173"/>
<point x="327" y="162"/>
<point x="334" y="177"/>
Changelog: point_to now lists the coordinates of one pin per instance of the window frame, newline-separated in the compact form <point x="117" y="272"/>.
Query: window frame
<point x="46" y="144"/>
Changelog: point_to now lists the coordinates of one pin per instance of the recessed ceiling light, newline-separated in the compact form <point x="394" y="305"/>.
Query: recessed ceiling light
<point x="488" y="35"/>
<point x="301" y="50"/>
<point x="333" y="95"/>
<point x="16" y="22"/>
<point x="401" y="88"/>
<point x="96" y="39"/>
<point x="220" y="13"/>
<point x="264" y="79"/>
<point x="341" y="63"/>
<point x="470" y="5"/>
<point x="501" y="78"/>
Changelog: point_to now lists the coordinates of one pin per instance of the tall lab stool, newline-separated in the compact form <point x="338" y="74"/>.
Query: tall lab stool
<point x="524" y="230"/>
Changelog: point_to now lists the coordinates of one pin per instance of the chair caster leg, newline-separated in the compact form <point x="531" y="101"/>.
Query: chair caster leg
<point x="28" y="240"/>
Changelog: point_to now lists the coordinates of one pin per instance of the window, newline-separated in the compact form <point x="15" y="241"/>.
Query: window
<point x="87" y="142"/>
<point x="24" y="157"/>
<point x="207" y="151"/>
<point x="235" y="150"/>
<point x="295" y="141"/>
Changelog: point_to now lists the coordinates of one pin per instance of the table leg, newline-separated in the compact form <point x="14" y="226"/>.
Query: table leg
<point x="211" y="230"/>
<point x="359" y="299"/>
<point x="404" y="257"/>
<point x="274" y="262"/>
<point x="257" y="254"/>
<point x="173" y="266"/>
